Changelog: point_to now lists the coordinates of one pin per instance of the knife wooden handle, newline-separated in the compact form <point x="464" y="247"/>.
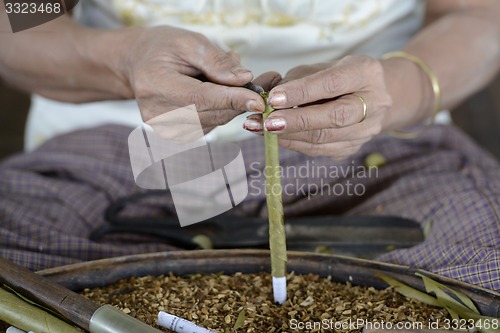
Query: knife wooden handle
<point x="72" y="306"/>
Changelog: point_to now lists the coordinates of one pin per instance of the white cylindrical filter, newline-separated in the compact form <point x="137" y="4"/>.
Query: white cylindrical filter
<point x="279" y="289"/>
<point x="179" y="325"/>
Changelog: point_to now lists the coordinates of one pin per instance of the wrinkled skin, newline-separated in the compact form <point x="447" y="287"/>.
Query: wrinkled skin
<point x="165" y="78"/>
<point x="317" y="113"/>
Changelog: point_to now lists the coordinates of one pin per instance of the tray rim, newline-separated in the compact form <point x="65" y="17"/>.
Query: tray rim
<point x="256" y="257"/>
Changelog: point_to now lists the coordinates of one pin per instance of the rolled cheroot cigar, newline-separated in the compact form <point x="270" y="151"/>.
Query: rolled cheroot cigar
<point x="277" y="237"/>
<point x="12" y="329"/>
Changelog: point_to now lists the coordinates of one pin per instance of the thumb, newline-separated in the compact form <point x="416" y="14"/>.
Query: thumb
<point x="268" y="80"/>
<point x="220" y="67"/>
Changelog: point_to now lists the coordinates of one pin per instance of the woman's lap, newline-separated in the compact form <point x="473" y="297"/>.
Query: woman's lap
<point x="52" y="199"/>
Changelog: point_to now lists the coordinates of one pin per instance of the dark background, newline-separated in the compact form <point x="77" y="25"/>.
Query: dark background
<point x="479" y="116"/>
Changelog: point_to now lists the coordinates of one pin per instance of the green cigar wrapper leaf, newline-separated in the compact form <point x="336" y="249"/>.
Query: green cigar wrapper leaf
<point x="28" y="317"/>
<point x="459" y="306"/>
<point x="277" y="237"/>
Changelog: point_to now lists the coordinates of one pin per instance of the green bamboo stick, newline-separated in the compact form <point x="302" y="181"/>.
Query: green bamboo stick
<point x="19" y="313"/>
<point x="277" y="237"/>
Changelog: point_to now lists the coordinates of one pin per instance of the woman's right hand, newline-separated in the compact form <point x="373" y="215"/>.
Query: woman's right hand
<point x="162" y="66"/>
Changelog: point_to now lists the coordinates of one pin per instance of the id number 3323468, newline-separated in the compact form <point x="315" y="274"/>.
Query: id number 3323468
<point x="33" y="7"/>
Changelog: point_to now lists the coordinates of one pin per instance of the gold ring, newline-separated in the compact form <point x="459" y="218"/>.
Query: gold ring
<point x="364" y="106"/>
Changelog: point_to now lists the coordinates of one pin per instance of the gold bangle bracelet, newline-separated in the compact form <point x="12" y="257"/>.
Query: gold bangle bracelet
<point x="435" y="88"/>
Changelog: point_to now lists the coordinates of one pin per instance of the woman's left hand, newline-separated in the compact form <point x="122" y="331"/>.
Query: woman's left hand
<point x="320" y="109"/>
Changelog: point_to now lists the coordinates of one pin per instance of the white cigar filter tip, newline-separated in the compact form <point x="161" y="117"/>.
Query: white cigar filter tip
<point x="179" y="325"/>
<point x="166" y="319"/>
<point x="279" y="289"/>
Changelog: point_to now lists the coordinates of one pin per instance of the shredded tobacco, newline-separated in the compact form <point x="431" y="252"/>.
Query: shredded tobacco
<point x="216" y="301"/>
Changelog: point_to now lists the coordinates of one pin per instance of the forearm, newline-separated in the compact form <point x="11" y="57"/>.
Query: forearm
<point x="462" y="48"/>
<point x="62" y="61"/>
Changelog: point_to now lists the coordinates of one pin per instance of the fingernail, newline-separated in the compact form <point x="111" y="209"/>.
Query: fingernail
<point x="275" y="124"/>
<point x="253" y="106"/>
<point x="238" y="70"/>
<point x="252" y="125"/>
<point x="277" y="99"/>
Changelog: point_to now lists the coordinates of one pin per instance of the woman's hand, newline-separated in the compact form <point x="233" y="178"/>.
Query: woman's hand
<point x="319" y="108"/>
<point x="163" y="67"/>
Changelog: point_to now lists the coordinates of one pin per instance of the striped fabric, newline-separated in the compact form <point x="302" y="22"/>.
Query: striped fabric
<point x="53" y="198"/>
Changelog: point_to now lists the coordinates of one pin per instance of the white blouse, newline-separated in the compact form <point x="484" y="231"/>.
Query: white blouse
<point x="267" y="34"/>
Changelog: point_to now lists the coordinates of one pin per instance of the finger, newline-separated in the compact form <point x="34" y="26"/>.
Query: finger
<point x="218" y="66"/>
<point x="343" y="78"/>
<point x="342" y="112"/>
<point x="330" y="135"/>
<point x="268" y="80"/>
<point x="208" y="96"/>
<point x="304" y="70"/>
<point x="336" y="150"/>
<point x="153" y="111"/>
<point x="253" y="123"/>
<point x="234" y="55"/>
